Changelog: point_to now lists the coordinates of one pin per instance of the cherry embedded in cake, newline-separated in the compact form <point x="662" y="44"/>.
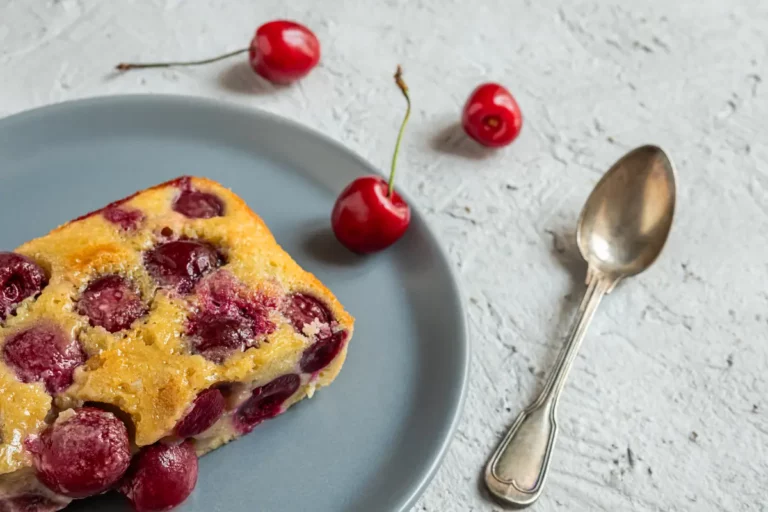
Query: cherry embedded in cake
<point x="229" y="318"/>
<point x="139" y="337"/>
<point x="127" y="218"/>
<point x="197" y="204"/>
<point x="202" y="414"/>
<point x="303" y="309"/>
<point x="265" y="402"/>
<point x="322" y="352"/>
<point x="162" y="477"/>
<point x="83" y="453"/>
<point x="111" y="302"/>
<point x="307" y="312"/>
<point x="43" y="353"/>
<point x="179" y="264"/>
<point x="20" y="278"/>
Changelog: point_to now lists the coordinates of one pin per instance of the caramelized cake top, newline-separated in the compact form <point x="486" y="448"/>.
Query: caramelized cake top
<point x="147" y="302"/>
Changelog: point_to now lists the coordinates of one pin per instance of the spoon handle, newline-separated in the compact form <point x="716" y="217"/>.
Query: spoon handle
<point x="517" y="470"/>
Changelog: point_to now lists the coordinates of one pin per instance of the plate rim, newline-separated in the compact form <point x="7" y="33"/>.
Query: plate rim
<point x="412" y="494"/>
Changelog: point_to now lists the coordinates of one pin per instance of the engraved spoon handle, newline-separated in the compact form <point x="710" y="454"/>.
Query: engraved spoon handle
<point x="517" y="470"/>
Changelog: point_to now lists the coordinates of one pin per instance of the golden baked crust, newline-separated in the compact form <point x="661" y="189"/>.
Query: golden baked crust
<point x="148" y="370"/>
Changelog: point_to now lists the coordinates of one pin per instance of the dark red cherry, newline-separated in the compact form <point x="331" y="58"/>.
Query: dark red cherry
<point x="83" y="453"/>
<point x="284" y="51"/>
<point x="198" y="205"/>
<point x="204" y="412"/>
<point x="20" y="277"/>
<point x="182" y="263"/>
<point x="215" y="338"/>
<point x="44" y="352"/>
<point x="126" y="218"/>
<point x="229" y="317"/>
<point x="265" y="402"/>
<point x="322" y="352"/>
<point x="302" y="309"/>
<point x="161" y="477"/>
<point x="111" y="302"/>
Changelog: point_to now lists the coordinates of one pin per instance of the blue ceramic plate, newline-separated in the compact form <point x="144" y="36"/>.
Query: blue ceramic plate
<point x="373" y="439"/>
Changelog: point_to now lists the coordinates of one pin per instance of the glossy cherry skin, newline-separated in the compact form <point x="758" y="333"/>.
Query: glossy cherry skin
<point x="283" y="51"/>
<point x="491" y="116"/>
<point x="365" y="219"/>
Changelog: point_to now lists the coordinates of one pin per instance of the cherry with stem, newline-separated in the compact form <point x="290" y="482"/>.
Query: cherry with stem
<point x="369" y="215"/>
<point x="281" y="51"/>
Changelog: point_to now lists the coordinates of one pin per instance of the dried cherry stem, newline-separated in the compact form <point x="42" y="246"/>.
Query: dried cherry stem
<point x="125" y="66"/>
<point x="404" y="88"/>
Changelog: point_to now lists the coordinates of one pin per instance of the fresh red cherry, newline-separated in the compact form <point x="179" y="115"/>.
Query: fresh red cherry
<point x="284" y="51"/>
<point x="491" y="116"/>
<point x="281" y="51"/>
<point x="366" y="218"/>
<point x="369" y="215"/>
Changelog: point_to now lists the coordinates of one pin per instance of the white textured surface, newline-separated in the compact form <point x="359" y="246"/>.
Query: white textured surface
<point x="680" y="349"/>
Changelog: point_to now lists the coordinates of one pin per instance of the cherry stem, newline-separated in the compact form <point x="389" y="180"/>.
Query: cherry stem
<point x="404" y="88"/>
<point x="125" y="66"/>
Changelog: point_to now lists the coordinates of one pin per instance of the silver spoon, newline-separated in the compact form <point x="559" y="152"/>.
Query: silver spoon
<point x="621" y="231"/>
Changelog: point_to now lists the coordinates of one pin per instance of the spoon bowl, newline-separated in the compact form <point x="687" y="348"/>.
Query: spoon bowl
<point x="627" y="217"/>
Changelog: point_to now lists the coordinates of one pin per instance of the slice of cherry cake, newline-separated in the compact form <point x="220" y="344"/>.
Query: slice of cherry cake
<point x="143" y="335"/>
